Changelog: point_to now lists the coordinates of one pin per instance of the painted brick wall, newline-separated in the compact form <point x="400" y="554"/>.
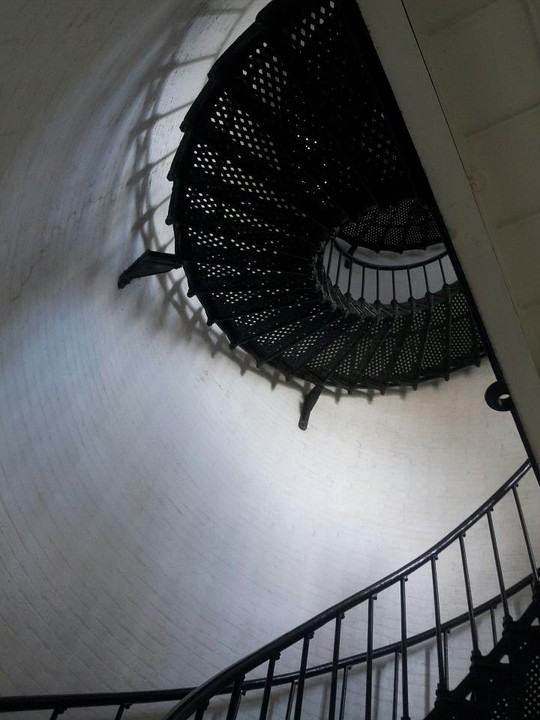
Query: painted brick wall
<point x="161" y="513"/>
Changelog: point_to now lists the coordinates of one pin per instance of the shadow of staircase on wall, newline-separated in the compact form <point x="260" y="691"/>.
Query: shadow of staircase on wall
<point x="295" y="159"/>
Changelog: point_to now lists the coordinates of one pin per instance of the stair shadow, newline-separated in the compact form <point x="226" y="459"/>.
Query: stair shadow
<point x="155" y="138"/>
<point x="148" y="230"/>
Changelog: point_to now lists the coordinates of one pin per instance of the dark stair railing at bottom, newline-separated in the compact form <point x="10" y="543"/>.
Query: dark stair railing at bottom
<point x="491" y="686"/>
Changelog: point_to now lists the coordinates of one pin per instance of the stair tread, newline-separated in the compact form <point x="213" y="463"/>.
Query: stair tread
<point x="296" y="138"/>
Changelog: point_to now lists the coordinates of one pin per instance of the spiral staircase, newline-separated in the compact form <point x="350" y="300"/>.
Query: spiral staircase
<point x="303" y="218"/>
<point x="307" y="230"/>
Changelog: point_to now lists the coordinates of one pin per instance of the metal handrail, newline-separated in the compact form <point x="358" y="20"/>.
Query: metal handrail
<point x="391" y="648"/>
<point x="21" y="703"/>
<point x="201" y="696"/>
<point x="386" y="282"/>
<point x="374" y="266"/>
<point x="192" y="699"/>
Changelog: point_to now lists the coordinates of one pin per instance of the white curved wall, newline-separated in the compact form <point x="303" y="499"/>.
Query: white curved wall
<point x="162" y="514"/>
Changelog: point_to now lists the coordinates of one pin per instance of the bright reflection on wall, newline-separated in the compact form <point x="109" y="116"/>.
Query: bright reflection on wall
<point x="162" y="514"/>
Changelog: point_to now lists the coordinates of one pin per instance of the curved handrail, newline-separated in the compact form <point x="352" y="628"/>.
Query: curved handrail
<point x="201" y="696"/>
<point x="192" y="699"/>
<point x="18" y="703"/>
<point x="386" y="282"/>
<point x="373" y="266"/>
<point x="383" y="650"/>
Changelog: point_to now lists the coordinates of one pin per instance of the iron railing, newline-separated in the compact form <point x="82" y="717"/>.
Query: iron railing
<point x="232" y="682"/>
<point x="386" y="281"/>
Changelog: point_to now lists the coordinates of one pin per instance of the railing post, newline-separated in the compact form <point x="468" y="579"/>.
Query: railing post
<point x="369" y="665"/>
<point x="442" y="684"/>
<point x="200" y="711"/>
<point x="331" y="252"/>
<point x="526" y="537"/>
<point x="445" y="650"/>
<point x="234" y="701"/>
<point x="301" y="678"/>
<point x="404" y="666"/>
<point x="288" y="711"/>
<point x="396" y="686"/>
<point x="493" y="625"/>
<point x="268" y="687"/>
<point x="507" y="617"/>
<point x="475" y="655"/>
<point x="346" y="671"/>
<point x="335" y="661"/>
<point x="338" y="273"/>
<point x="120" y="711"/>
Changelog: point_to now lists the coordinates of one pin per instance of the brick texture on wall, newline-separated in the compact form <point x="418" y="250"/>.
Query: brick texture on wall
<point x="161" y="514"/>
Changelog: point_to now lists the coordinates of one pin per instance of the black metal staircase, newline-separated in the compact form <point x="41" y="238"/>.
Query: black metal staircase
<point x="505" y="683"/>
<point x="295" y="157"/>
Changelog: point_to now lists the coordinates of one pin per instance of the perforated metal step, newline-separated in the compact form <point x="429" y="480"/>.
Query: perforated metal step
<point x="297" y="140"/>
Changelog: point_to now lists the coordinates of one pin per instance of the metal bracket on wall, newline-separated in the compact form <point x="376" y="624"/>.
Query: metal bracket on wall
<point x="150" y="262"/>
<point x="310" y="401"/>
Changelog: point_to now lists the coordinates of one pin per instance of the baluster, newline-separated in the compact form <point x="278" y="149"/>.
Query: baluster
<point x="507" y="617"/>
<point x="335" y="661"/>
<point x="377" y="272"/>
<point x="330" y="258"/>
<point x="396" y="686"/>
<point x="234" y="702"/>
<point x="56" y="712"/>
<point x="445" y="648"/>
<point x="394" y="285"/>
<point x="525" y="534"/>
<point x="470" y="606"/>
<point x="290" y="701"/>
<point x="404" y="667"/>
<point x="268" y="687"/>
<point x="426" y="278"/>
<point x="120" y="712"/>
<point x="440" y="659"/>
<point x="340" y="256"/>
<point x="363" y="282"/>
<point x="301" y="678"/>
<point x="349" y="281"/>
<point x="369" y="667"/>
<point x="199" y="713"/>
<point x="390" y="284"/>
<point x="410" y="283"/>
<point x="443" y="274"/>
<point x="493" y="625"/>
<point x="346" y="671"/>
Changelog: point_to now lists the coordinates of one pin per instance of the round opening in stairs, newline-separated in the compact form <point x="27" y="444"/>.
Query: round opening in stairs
<point x="386" y="277"/>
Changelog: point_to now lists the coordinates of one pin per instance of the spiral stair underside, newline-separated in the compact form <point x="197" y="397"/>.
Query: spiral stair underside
<point x="296" y="139"/>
